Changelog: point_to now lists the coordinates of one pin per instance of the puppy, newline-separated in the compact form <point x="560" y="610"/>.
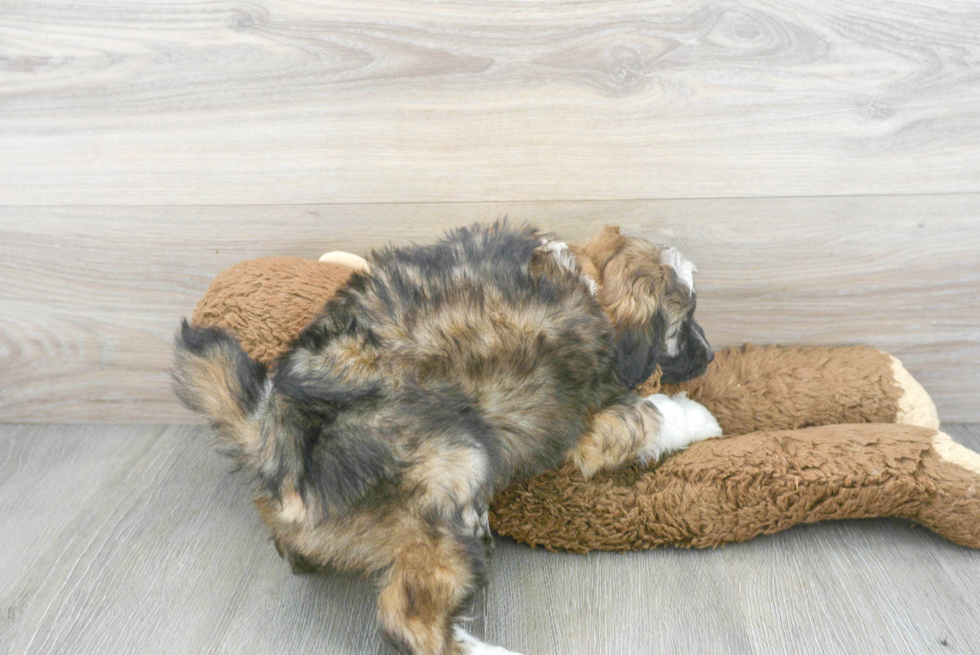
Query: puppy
<point x="434" y="378"/>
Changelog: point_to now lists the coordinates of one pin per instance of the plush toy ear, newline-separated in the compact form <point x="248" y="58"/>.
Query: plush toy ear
<point x="347" y="259"/>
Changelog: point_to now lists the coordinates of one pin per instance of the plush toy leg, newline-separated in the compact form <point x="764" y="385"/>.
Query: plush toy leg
<point x="728" y="490"/>
<point x="953" y="511"/>
<point x="784" y="387"/>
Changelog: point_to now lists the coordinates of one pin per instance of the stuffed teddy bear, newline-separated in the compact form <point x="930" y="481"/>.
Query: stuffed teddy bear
<point x="811" y="433"/>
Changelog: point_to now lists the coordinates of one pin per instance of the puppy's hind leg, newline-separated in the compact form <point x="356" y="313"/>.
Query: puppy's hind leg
<point x="645" y="429"/>
<point x="434" y="575"/>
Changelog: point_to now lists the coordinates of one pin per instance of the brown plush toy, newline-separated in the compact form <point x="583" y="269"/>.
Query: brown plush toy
<point x="878" y="452"/>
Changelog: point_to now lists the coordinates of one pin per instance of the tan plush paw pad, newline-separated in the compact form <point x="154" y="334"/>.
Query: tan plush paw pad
<point x="915" y="407"/>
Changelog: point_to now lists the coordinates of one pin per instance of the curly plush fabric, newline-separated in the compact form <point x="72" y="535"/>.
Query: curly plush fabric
<point x="788" y="387"/>
<point x="771" y="470"/>
<point x="266" y="302"/>
<point x="732" y="489"/>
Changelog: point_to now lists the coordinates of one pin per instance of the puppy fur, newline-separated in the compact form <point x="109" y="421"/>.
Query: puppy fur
<point x="439" y="374"/>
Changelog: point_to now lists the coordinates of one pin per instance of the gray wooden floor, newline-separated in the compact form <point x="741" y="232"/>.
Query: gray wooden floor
<point x="136" y="539"/>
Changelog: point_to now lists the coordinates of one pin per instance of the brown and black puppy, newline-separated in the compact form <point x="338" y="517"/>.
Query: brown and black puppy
<point x="435" y="378"/>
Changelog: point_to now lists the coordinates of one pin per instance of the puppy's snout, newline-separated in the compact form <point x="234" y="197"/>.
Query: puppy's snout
<point x="711" y="355"/>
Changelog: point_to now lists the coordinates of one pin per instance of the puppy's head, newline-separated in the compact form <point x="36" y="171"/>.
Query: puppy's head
<point x="648" y="294"/>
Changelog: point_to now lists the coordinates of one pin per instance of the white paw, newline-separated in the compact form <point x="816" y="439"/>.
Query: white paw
<point x="683" y="422"/>
<point x="700" y="422"/>
<point x="473" y="646"/>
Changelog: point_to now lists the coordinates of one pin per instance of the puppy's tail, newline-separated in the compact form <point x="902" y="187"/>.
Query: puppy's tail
<point x="215" y="377"/>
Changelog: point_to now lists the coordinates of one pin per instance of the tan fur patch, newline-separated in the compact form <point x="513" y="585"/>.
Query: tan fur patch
<point x="635" y="284"/>
<point x="618" y="433"/>
<point x="427" y="583"/>
<point x="427" y="576"/>
<point x="442" y="471"/>
<point x="293" y="509"/>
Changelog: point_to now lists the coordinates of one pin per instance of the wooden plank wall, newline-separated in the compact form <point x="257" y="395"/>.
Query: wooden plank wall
<point x="819" y="161"/>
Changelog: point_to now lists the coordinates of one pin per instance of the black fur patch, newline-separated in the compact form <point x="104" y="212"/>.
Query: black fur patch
<point x="202" y="341"/>
<point x="693" y="356"/>
<point x="638" y="351"/>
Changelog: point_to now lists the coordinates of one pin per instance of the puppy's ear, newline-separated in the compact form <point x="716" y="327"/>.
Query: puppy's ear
<point x="603" y="245"/>
<point x="636" y="350"/>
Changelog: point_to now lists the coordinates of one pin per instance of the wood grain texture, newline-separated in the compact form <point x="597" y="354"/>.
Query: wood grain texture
<point x="137" y="539"/>
<point x="399" y="101"/>
<point x="90" y="297"/>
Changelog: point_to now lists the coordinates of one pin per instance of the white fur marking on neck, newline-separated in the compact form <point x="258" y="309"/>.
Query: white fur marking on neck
<point x="683" y="266"/>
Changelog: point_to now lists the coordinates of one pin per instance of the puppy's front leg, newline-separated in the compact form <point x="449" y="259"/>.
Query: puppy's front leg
<point x="645" y="429"/>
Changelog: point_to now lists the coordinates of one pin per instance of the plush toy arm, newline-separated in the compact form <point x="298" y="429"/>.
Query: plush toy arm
<point x="779" y="388"/>
<point x="729" y="490"/>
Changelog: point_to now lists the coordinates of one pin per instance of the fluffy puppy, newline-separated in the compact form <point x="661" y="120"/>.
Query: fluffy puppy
<point x="648" y="293"/>
<point x="434" y="378"/>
